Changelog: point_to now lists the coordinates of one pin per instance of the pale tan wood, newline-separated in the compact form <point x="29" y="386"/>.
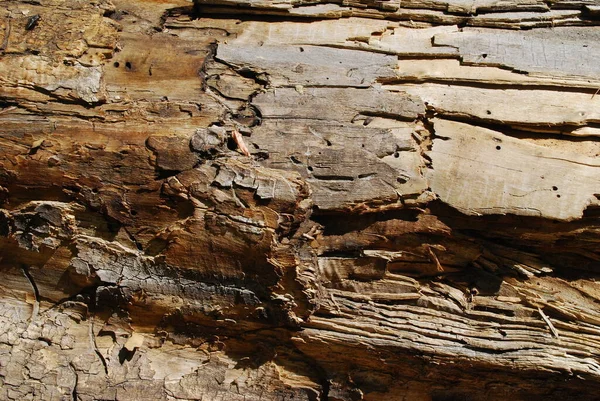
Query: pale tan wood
<point x="554" y="52"/>
<point x="485" y="172"/>
<point x="454" y="72"/>
<point x="268" y="200"/>
<point x="535" y="107"/>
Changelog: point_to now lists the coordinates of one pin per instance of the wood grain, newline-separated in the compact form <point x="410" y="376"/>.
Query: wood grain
<point x="276" y="200"/>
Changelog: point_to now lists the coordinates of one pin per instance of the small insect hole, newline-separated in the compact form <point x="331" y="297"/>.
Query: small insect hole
<point x="498" y="147"/>
<point x="555" y="188"/>
<point x="396" y="155"/>
<point x="116" y="64"/>
<point x="310" y="168"/>
<point x="128" y="65"/>
<point x="301" y="49"/>
<point x="557" y="195"/>
<point x="484" y="55"/>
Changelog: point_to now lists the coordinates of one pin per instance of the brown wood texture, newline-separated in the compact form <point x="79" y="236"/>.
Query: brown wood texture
<point x="300" y="200"/>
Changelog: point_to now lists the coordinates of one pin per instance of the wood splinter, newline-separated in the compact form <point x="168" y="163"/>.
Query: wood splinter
<point x="548" y="322"/>
<point x="434" y="258"/>
<point x="237" y="137"/>
<point x="7" y="109"/>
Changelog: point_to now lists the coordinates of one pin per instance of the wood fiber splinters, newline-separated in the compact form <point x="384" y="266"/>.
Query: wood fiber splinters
<point x="237" y="137"/>
<point x="435" y="259"/>
<point x="6" y="110"/>
<point x="548" y="322"/>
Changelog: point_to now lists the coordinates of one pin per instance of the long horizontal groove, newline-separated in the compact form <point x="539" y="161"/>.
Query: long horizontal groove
<point x="519" y="130"/>
<point x="440" y="17"/>
<point x="564" y="85"/>
<point x="592" y="89"/>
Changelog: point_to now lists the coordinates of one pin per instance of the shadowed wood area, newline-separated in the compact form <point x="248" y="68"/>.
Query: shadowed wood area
<point x="300" y="200"/>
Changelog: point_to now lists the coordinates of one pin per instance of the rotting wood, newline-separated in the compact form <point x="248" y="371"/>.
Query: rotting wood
<point x="264" y="200"/>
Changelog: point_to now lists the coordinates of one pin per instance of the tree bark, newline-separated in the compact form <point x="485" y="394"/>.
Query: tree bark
<point x="293" y="200"/>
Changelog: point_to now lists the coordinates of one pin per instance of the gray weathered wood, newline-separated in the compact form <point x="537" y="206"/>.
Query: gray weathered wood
<point x="311" y="65"/>
<point x="257" y="200"/>
<point x="557" y="52"/>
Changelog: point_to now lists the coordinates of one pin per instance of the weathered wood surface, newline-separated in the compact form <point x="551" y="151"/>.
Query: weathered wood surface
<point x="276" y="200"/>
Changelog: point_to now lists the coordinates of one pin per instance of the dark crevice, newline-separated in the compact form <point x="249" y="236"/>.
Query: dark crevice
<point x="349" y="254"/>
<point x="85" y="296"/>
<point x="391" y="116"/>
<point x="341" y="223"/>
<point x="497" y="311"/>
<point x="95" y="345"/>
<point x="333" y="177"/>
<point x="34" y="286"/>
<point x="74" y="394"/>
<point x="260" y="78"/>
<point x="138" y="245"/>
<point x="212" y="51"/>
<point x="565" y="254"/>
<point x="496" y="86"/>
<point x="5" y="104"/>
<point x="125" y="355"/>
<point x="162" y="174"/>
<point x="116" y="15"/>
<point x="255" y="14"/>
<point x="461" y="19"/>
<point x="102" y="359"/>
<point x="319" y="371"/>
<point x="520" y="131"/>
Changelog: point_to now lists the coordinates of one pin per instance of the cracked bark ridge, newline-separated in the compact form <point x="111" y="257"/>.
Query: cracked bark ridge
<point x="260" y="200"/>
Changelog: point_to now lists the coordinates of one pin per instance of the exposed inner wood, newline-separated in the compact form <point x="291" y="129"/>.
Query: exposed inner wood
<point x="307" y="200"/>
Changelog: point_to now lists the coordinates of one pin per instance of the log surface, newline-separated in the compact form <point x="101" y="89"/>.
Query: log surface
<point x="308" y="200"/>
